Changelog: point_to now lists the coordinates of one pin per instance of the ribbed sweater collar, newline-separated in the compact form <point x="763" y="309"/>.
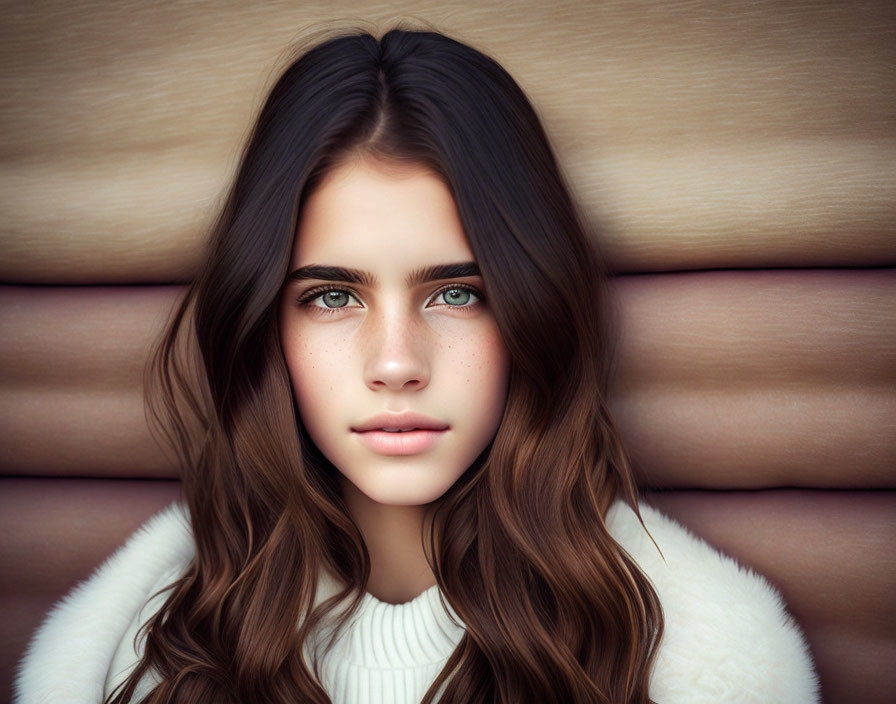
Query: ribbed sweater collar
<point x="396" y="636"/>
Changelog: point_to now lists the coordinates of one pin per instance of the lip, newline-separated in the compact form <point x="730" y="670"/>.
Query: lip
<point x="399" y="421"/>
<point x="421" y="433"/>
<point x="412" y="442"/>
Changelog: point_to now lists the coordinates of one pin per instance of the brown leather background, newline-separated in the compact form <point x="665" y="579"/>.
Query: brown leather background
<point x="737" y="158"/>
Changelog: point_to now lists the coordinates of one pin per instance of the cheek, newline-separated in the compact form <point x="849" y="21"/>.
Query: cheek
<point x="311" y="371"/>
<point x="487" y="378"/>
<point x="314" y="388"/>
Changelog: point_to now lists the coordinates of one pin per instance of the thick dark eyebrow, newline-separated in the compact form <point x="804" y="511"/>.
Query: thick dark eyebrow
<point x="438" y="272"/>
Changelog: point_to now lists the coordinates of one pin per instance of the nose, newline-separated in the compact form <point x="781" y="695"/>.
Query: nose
<point x="396" y="353"/>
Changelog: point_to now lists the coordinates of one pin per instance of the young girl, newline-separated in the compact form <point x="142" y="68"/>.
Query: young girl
<point x="401" y="479"/>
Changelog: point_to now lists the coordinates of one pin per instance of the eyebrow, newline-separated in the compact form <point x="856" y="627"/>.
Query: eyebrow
<point x="355" y="276"/>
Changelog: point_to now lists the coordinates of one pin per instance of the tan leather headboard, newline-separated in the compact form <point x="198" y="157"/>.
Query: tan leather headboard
<point x="736" y="158"/>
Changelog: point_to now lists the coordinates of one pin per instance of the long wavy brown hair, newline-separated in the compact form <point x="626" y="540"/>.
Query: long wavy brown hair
<point x="554" y="609"/>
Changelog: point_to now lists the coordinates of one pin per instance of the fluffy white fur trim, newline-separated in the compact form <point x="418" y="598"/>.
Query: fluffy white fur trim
<point x="69" y="656"/>
<point x="728" y="636"/>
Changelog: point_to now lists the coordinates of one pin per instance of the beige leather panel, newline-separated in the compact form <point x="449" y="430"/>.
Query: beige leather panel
<point x="58" y="529"/>
<point x="71" y="366"/>
<point x="696" y="134"/>
<point x="82" y="338"/>
<point x="753" y="379"/>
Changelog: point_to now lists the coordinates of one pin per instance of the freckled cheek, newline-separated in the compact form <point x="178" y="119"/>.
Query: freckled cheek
<point x="481" y="361"/>
<point x="316" y="364"/>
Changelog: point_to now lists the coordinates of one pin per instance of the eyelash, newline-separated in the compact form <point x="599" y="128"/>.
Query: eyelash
<point x="305" y="299"/>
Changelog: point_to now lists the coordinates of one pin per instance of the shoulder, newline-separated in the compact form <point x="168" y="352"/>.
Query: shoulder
<point x="728" y="635"/>
<point x="71" y="653"/>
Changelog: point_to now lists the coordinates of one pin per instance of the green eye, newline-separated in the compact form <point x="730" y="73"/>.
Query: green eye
<point x="328" y="299"/>
<point x="335" y="299"/>
<point x="459" y="296"/>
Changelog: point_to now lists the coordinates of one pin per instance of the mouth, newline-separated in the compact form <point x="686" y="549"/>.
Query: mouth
<point x="404" y="422"/>
<point x="404" y="441"/>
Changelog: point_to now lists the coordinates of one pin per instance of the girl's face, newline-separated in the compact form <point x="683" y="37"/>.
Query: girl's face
<point x="384" y="327"/>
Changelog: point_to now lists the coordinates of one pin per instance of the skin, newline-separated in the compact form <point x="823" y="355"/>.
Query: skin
<point x="387" y="346"/>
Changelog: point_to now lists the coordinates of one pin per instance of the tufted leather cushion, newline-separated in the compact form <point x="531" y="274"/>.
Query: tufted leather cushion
<point x="736" y="158"/>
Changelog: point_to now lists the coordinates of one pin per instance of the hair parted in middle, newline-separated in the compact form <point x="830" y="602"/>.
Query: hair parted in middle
<point x="554" y="608"/>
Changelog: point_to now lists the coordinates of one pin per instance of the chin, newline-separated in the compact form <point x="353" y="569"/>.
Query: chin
<point x="405" y="496"/>
<point x="403" y="488"/>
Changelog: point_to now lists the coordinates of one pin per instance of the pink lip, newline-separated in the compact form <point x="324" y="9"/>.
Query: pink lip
<point x="408" y="443"/>
<point x="406" y="420"/>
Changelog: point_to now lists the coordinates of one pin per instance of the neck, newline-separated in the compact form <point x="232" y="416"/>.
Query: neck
<point x="394" y="539"/>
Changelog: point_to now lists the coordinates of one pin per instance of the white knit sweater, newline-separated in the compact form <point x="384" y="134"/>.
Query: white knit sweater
<point x="728" y="636"/>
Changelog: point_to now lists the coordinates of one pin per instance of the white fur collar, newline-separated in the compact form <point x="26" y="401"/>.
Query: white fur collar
<point x="728" y="636"/>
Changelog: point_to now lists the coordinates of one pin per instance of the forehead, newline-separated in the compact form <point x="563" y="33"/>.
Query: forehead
<point x="371" y="215"/>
